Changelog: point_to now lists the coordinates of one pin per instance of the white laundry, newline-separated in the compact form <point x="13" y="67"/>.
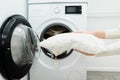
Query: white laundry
<point x="67" y="41"/>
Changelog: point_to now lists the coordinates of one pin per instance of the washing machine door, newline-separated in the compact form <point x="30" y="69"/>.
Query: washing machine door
<point x="18" y="46"/>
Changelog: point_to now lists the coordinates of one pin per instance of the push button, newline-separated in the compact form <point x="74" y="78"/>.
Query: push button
<point x="57" y="10"/>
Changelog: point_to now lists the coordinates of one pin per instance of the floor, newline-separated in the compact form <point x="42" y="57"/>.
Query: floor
<point x="102" y="75"/>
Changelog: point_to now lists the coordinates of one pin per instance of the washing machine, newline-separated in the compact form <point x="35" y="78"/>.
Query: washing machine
<point x="52" y="17"/>
<point x="19" y="46"/>
<point x="16" y="56"/>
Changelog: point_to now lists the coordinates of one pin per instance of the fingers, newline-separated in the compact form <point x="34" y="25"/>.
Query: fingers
<point x="87" y="54"/>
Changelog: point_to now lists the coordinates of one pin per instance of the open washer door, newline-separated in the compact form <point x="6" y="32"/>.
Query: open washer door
<point x="18" y="46"/>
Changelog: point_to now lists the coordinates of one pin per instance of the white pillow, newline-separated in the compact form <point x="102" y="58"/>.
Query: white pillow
<point x="65" y="42"/>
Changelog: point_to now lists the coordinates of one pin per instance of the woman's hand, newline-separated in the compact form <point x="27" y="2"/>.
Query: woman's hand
<point x="87" y="54"/>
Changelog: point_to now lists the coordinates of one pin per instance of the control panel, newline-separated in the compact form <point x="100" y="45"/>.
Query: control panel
<point x="73" y="9"/>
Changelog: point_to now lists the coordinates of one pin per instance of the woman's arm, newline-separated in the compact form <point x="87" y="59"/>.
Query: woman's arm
<point x="87" y="54"/>
<point x="99" y="34"/>
<point x="106" y="34"/>
<point x="113" y="49"/>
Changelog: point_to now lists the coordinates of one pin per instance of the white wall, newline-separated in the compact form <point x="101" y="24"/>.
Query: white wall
<point x="103" y="14"/>
<point x="103" y="6"/>
<point x="10" y="7"/>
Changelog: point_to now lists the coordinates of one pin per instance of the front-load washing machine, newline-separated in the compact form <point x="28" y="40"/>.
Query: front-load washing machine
<point x="52" y="17"/>
<point x="19" y="46"/>
<point x="15" y="41"/>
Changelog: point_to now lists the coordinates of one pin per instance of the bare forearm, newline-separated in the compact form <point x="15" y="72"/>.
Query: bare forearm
<point x="99" y="34"/>
<point x="87" y="54"/>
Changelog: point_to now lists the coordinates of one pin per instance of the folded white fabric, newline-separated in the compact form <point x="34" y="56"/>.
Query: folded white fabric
<point x="67" y="41"/>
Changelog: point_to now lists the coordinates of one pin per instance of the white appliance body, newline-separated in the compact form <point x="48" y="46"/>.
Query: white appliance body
<point x="41" y="15"/>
